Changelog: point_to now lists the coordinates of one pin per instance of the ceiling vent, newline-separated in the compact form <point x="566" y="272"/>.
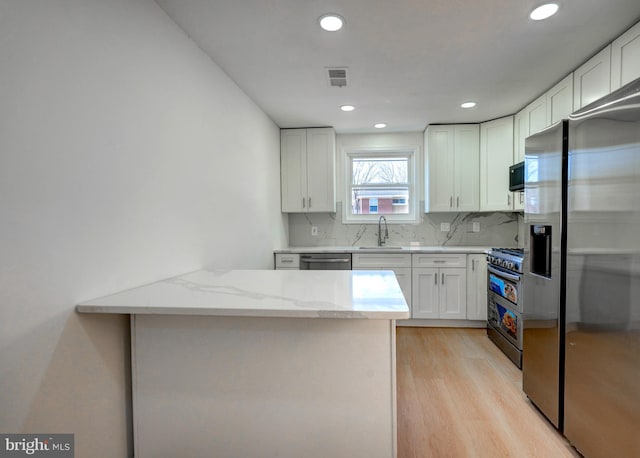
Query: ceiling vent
<point x="337" y="76"/>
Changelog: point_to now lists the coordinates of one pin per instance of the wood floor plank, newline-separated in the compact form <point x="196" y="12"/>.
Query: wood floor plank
<point x="459" y="396"/>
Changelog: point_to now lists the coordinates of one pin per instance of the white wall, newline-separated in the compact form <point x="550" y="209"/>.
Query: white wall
<point x="126" y="156"/>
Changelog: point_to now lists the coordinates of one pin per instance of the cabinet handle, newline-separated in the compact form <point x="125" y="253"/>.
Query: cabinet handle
<point x="286" y="260"/>
<point x="439" y="261"/>
<point x="508" y="199"/>
<point x="458" y="202"/>
<point x="521" y="197"/>
<point x="451" y="202"/>
<point x="435" y="279"/>
<point x="473" y="264"/>
<point x="303" y="202"/>
<point x="443" y="278"/>
<point x="309" y="202"/>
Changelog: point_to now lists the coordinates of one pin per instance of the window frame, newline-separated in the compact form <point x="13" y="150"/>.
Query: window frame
<point x="410" y="153"/>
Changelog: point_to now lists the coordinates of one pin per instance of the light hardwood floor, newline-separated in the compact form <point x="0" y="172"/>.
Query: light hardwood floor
<point x="459" y="396"/>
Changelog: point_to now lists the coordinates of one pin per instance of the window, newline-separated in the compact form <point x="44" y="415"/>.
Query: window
<point x="380" y="183"/>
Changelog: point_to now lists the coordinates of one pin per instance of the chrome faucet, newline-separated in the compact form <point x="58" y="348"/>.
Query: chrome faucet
<point x="382" y="239"/>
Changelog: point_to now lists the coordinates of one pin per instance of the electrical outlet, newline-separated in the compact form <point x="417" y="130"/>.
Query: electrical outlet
<point x="445" y="227"/>
<point x="476" y="226"/>
<point x="314" y="230"/>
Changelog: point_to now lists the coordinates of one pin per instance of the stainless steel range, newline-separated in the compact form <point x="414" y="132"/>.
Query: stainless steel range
<point x="504" y="287"/>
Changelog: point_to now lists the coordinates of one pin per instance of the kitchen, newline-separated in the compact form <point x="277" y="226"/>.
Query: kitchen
<point x="128" y="156"/>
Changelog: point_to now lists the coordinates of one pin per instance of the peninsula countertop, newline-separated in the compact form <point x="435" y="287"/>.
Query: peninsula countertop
<point x="263" y="293"/>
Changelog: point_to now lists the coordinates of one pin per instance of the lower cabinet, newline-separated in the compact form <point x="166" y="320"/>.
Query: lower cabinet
<point x="287" y="261"/>
<point x="439" y="286"/>
<point x="477" y="287"/>
<point x="435" y="286"/>
<point x="400" y="264"/>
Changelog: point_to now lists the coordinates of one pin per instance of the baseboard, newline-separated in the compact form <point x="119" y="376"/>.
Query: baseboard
<point x="442" y="323"/>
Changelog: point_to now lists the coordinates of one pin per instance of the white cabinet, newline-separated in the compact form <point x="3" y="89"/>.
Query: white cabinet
<point x="452" y="164"/>
<point x="477" y="287"/>
<point x="560" y="100"/>
<point x="400" y="264"/>
<point x="536" y="115"/>
<point x="307" y="164"/>
<point x="287" y="261"/>
<point x="520" y="133"/>
<point x="439" y="284"/>
<point x="496" y="155"/>
<point x="625" y="58"/>
<point x="592" y="79"/>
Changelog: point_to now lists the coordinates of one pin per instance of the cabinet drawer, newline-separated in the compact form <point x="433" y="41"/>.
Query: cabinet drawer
<point x="287" y="261"/>
<point x="439" y="260"/>
<point x="380" y="260"/>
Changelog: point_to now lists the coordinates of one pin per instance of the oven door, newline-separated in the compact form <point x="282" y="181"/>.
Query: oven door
<point x="505" y="319"/>
<point x="506" y="284"/>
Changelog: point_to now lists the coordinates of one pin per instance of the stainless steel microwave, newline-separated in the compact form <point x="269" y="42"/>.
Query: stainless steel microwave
<point x="516" y="177"/>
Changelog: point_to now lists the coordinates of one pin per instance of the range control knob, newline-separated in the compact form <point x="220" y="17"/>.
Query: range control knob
<point x="511" y="265"/>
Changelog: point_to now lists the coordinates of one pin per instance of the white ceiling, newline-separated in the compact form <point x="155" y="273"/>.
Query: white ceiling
<point x="410" y="62"/>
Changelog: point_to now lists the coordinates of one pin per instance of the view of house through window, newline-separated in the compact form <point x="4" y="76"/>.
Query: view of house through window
<point x="380" y="184"/>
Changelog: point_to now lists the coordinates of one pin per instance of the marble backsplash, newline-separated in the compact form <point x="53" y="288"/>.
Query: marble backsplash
<point x="496" y="229"/>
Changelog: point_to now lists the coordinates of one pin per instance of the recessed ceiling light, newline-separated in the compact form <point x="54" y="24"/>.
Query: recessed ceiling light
<point x="331" y="22"/>
<point x="380" y="125"/>
<point x="468" y="104"/>
<point x="544" y="11"/>
<point x="347" y="108"/>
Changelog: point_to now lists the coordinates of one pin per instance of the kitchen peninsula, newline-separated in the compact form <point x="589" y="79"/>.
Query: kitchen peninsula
<point x="263" y="363"/>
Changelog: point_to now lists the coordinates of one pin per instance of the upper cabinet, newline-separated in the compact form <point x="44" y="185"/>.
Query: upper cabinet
<point x="625" y="58"/>
<point x="451" y="163"/>
<point x="307" y="164"/>
<point x="537" y="115"/>
<point x="496" y="155"/>
<point x="592" y="79"/>
<point x="520" y="133"/>
<point x="560" y="100"/>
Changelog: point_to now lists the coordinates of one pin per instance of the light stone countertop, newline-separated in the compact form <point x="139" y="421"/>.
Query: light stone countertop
<point x="263" y="293"/>
<point x="387" y="249"/>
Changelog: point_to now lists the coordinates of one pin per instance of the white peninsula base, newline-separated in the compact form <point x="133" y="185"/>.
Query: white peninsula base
<point x="263" y="387"/>
<point x="259" y="363"/>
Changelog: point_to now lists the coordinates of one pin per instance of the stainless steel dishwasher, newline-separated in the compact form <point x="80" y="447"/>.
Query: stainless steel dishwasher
<point x="325" y="261"/>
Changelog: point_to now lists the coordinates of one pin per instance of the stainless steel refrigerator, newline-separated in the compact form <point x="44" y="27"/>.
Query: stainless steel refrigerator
<point x="581" y="342"/>
<point x="544" y="269"/>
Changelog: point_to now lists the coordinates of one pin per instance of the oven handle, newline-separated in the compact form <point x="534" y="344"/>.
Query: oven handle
<point x="501" y="273"/>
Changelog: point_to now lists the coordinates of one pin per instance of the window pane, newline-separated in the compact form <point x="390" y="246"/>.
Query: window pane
<point x="378" y="171"/>
<point x="379" y="201"/>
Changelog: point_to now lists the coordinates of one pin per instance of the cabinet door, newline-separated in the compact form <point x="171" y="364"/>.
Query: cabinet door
<point x="453" y="293"/>
<point x="293" y="167"/>
<point x="496" y="155"/>
<point x="560" y="100"/>
<point x="439" y="165"/>
<point x="592" y="79"/>
<point x="520" y="133"/>
<point x="320" y="170"/>
<point x="403" y="275"/>
<point x="537" y="115"/>
<point x="625" y="58"/>
<point x="424" y="285"/>
<point x="477" y="287"/>
<point x="467" y="167"/>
